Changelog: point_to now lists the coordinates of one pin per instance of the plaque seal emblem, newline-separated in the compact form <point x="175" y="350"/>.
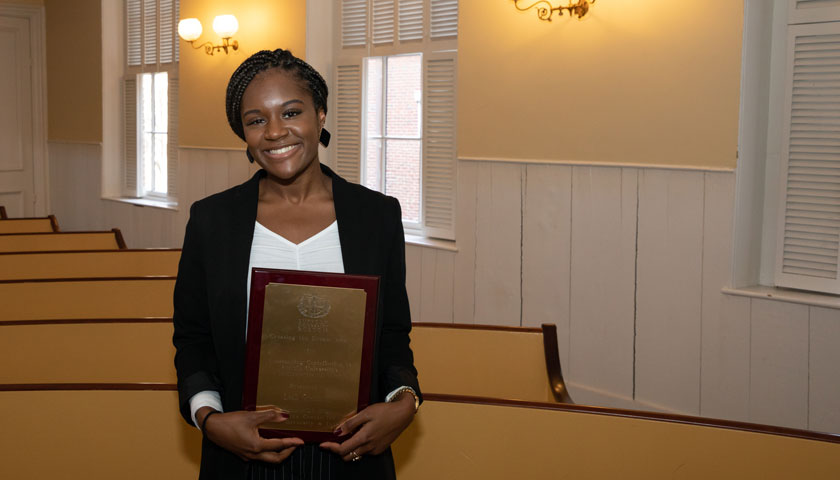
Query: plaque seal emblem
<point x="313" y="306"/>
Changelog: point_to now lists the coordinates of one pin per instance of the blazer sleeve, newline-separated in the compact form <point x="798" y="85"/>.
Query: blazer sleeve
<point x="396" y="359"/>
<point x="195" y="357"/>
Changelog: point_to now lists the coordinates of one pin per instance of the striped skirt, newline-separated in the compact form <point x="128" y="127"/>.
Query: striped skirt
<point x="309" y="462"/>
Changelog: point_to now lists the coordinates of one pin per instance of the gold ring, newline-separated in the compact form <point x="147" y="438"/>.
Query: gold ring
<point x="356" y="456"/>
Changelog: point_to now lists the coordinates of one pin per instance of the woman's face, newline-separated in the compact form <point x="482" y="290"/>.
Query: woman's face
<point x="281" y="125"/>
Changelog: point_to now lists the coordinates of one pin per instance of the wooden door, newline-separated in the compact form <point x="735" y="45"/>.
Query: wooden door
<point x="17" y="172"/>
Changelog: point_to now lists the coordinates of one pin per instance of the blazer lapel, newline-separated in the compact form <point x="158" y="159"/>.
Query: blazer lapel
<point x="243" y="216"/>
<point x="350" y="226"/>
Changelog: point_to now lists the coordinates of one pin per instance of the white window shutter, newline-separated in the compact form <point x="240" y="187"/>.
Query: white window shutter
<point x="150" y="32"/>
<point x="809" y="11"/>
<point x="130" y="143"/>
<point x="808" y="242"/>
<point x="354" y="23"/>
<point x="348" y="115"/>
<point x="444" y="19"/>
<point x="382" y="31"/>
<point x="439" y="173"/>
<point x="410" y="20"/>
<point x="166" y="25"/>
<point x="172" y="138"/>
<point x="134" y="39"/>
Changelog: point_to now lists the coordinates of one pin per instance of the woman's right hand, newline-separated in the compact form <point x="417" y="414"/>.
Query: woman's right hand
<point x="238" y="433"/>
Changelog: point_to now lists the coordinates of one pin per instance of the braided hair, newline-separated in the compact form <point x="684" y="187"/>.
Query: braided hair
<point x="263" y="60"/>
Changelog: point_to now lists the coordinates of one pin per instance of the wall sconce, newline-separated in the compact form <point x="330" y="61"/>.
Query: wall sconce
<point x="224" y="25"/>
<point x="545" y="10"/>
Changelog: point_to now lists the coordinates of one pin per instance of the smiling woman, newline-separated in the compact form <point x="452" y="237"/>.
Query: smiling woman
<point x="281" y="125"/>
<point x="293" y="214"/>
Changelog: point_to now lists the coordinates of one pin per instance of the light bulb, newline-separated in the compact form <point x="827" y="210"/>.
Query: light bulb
<point x="189" y="29"/>
<point x="225" y="25"/>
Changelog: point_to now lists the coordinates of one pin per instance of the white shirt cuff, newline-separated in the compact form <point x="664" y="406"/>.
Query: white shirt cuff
<point x="205" y="398"/>
<point x="390" y="397"/>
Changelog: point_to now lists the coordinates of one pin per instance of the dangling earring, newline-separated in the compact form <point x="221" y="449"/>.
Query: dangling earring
<point x="248" y="154"/>
<point x="325" y="137"/>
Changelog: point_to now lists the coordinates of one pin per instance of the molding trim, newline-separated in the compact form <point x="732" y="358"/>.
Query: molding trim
<point x="582" y="163"/>
<point x="764" y="292"/>
<point x="428" y="242"/>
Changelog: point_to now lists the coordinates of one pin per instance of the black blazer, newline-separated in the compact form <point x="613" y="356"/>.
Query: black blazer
<point x="210" y="303"/>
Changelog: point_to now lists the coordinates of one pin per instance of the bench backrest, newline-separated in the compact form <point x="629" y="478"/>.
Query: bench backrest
<point x="451" y="440"/>
<point x="86" y="299"/>
<point x="67" y="241"/>
<point x="29" y="225"/>
<point x="97" y="435"/>
<point x="487" y="361"/>
<point x="107" y="263"/>
<point x="134" y="351"/>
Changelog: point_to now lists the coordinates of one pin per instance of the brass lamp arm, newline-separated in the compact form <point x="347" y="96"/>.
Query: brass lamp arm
<point x="210" y="49"/>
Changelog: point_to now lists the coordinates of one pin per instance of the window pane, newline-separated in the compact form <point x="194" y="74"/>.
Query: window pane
<point x="147" y="158"/>
<point x="146" y="101"/>
<point x="402" y="175"/>
<point x="404" y="86"/>
<point x="373" y="96"/>
<point x="161" y="102"/>
<point x="160" y="163"/>
<point x="373" y="159"/>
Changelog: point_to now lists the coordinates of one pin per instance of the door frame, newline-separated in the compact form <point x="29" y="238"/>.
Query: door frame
<point x="38" y="64"/>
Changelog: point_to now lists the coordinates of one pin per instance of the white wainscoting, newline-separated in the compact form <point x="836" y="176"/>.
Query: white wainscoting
<point x="628" y="261"/>
<point x="75" y="190"/>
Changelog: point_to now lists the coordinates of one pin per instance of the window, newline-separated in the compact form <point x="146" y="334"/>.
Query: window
<point x="808" y="239"/>
<point x="395" y="105"/>
<point x="153" y="132"/>
<point x="393" y="135"/>
<point x="150" y="94"/>
<point x="789" y="147"/>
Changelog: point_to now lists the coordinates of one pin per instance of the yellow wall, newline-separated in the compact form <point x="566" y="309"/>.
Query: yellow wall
<point x="74" y="70"/>
<point x="641" y="81"/>
<point x="263" y="24"/>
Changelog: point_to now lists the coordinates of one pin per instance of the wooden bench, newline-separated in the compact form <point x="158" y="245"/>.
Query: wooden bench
<point x="519" y="363"/>
<point x="114" y="298"/>
<point x="470" y="438"/>
<point x="61" y="241"/>
<point x="29" y="225"/>
<point x="451" y="438"/>
<point x="105" y="263"/>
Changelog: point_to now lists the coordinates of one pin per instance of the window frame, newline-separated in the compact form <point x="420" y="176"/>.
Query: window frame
<point x="438" y="46"/>
<point x="411" y="227"/>
<point x="143" y="62"/>
<point x="759" y="175"/>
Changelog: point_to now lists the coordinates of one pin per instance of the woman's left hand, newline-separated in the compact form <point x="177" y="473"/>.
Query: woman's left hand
<point x="375" y="427"/>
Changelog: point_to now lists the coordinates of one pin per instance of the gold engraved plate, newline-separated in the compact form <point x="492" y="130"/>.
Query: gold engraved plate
<point x="311" y="354"/>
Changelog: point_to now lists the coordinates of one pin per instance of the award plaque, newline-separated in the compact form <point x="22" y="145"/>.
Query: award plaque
<point x="309" y="349"/>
